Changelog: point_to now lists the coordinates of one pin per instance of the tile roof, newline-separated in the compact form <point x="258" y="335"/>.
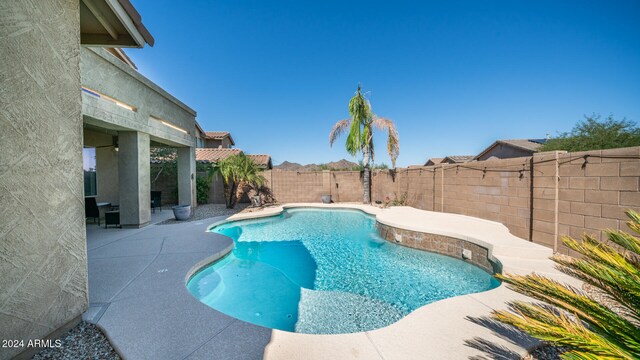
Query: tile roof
<point x="216" y="135"/>
<point x="215" y="154"/>
<point x="261" y="160"/>
<point x="454" y="159"/>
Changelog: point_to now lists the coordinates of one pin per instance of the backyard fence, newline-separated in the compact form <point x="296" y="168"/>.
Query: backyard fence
<point x="538" y="198"/>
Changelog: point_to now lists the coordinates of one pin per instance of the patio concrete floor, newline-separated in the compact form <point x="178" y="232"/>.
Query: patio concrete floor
<point x="138" y="297"/>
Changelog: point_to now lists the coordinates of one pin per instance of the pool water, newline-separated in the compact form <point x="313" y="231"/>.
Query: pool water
<point x="324" y="271"/>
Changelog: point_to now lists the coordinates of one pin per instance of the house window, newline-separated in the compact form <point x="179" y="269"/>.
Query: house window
<point x="89" y="165"/>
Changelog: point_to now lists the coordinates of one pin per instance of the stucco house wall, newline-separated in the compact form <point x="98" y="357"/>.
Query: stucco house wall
<point x="42" y="230"/>
<point x="102" y="72"/>
<point x="214" y="143"/>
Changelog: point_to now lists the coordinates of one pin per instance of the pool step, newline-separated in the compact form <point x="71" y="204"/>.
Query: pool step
<point x="331" y="312"/>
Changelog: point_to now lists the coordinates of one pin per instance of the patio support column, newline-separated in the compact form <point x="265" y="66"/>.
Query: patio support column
<point x="134" y="179"/>
<point x="187" y="176"/>
<point x="107" y="174"/>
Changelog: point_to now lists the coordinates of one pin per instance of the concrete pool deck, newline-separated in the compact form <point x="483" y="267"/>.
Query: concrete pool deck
<point x="138" y="297"/>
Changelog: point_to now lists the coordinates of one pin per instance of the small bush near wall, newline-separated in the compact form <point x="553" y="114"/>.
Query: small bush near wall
<point x="202" y="189"/>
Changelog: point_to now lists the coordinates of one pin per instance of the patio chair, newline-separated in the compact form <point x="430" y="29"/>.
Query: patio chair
<point x="91" y="209"/>
<point x="156" y="200"/>
<point x="112" y="218"/>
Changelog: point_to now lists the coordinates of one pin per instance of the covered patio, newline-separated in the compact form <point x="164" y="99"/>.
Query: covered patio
<point x="124" y="116"/>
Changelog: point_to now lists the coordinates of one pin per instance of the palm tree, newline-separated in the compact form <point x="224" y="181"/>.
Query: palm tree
<point x="240" y="174"/>
<point x="360" y="136"/>
<point x="576" y="320"/>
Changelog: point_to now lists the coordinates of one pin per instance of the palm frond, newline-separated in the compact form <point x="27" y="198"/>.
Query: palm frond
<point x="239" y="173"/>
<point x="559" y="327"/>
<point x="338" y="129"/>
<point x="393" y="139"/>
<point x="576" y="320"/>
<point x="360" y="138"/>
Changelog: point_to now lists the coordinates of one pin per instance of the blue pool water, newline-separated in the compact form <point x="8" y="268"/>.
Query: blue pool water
<point x="326" y="272"/>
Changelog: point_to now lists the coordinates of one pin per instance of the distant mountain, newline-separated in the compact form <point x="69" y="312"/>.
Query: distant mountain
<point x="286" y="165"/>
<point x="341" y="165"/>
<point x="334" y="165"/>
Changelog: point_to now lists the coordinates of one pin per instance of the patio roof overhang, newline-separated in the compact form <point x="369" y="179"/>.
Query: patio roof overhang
<point x="112" y="23"/>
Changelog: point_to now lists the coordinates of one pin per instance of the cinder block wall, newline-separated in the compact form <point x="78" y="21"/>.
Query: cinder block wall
<point x="493" y="190"/>
<point x="293" y="186"/>
<point x="539" y="198"/>
<point x="167" y="183"/>
<point x="43" y="258"/>
<point x="564" y="195"/>
<point x="345" y="186"/>
<point x="310" y="186"/>
<point x="594" y="189"/>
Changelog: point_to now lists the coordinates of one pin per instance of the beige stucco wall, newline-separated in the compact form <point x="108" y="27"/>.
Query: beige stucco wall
<point x="212" y="143"/>
<point x="43" y="268"/>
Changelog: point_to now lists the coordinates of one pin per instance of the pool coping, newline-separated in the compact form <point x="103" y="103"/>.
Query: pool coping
<point x="515" y="255"/>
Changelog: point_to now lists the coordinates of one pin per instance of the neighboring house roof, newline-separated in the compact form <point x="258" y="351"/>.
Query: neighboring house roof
<point x="262" y="160"/>
<point x="456" y="159"/>
<point x="219" y="135"/>
<point x="214" y="155"/>
<point x="531" y="145"/>
<point x="160" y="160"/>
<point x="433" y="161"/>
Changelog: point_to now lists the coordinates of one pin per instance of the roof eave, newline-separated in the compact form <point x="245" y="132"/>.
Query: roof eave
<point x="500" y="142"/>
<point x="198" y="127"/>
<point x="133" y="22"/>
<point x="114" y="16"/>
<point x="495" y="143"/>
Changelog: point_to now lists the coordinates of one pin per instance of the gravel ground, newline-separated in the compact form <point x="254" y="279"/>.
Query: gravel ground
<point x="85" y="341"/>
<point x="207" y="211"/>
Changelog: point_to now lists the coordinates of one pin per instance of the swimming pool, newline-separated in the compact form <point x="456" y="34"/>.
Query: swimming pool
<point x="323" y="271"/>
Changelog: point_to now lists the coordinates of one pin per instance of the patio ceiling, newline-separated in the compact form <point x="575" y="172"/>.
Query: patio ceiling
<point x="112" y="23"/>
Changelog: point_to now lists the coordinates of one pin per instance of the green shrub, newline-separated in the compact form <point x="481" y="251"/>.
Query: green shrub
<point x="202" y="190"/>
<point x="595" y="133"/>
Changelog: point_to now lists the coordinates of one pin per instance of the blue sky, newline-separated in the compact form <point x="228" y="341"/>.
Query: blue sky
<point x="453" y="75"/>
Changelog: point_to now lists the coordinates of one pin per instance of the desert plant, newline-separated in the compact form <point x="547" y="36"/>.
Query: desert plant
<point x="240" y="174"/>
<point x="573" y="318"/>
<point x="265" y="194"/>
<point x="360" y="137"/>
<point x="397" y="200"/>
<point x="203" y="185"/>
